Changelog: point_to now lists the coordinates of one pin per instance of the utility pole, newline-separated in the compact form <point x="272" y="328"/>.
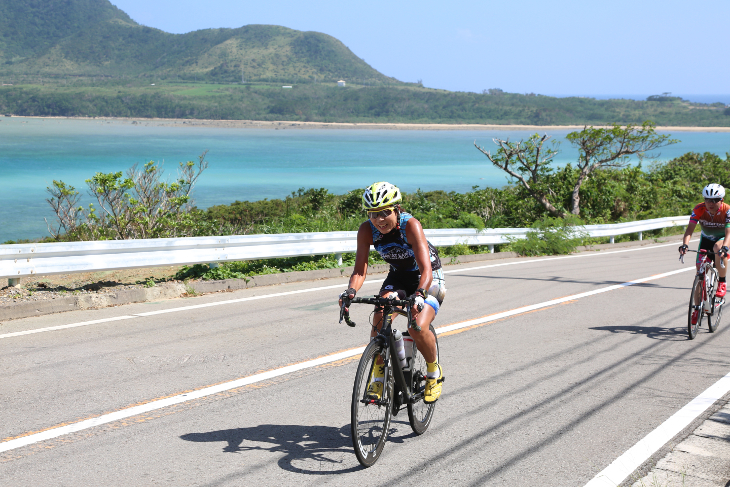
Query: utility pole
<point x="242" y="80"/>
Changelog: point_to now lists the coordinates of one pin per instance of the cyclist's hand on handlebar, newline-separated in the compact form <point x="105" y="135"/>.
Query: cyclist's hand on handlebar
<point x="347" y="296"/>
<point x="683" y="249"/>
<point x="345" y="299"/>
<point x="724" y="251"/>
<point x="418" y="299"/>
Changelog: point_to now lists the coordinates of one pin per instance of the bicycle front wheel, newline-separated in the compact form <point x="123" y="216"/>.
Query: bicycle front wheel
<point x="370" y="419"/>
<point x="420" y="414"/>
<point x="698" y="291"/>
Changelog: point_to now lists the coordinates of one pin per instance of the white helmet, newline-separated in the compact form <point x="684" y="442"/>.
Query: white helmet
<point x="713" y="191"/>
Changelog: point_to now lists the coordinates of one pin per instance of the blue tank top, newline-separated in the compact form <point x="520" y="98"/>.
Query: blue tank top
<point x="394" y="248"/>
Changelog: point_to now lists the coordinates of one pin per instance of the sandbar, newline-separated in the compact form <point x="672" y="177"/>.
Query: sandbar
<point x="284" y="125"/>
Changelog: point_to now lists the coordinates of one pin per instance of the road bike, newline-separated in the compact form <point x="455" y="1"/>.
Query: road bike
<point x="703" y="300"/>
<point x="402" y="386"/>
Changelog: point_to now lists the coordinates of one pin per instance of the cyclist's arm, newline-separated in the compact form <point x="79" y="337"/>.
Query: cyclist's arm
<point x="364" y="241"/>
<point x="417" y="239"/>
<point x="691" y="228"/>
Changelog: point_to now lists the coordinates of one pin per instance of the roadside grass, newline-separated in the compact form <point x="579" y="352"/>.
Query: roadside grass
<point x="250" y="268"/>
<point x="655" y="481"/>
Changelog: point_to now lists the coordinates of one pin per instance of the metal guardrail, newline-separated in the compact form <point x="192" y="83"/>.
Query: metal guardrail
<point x="24" y="260"/>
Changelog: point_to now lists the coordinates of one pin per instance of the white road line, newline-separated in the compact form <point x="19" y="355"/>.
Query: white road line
<point x="63" y="327"/>
<point x="576" y="256"/>
<point x="171" y="310"/>
<point x="287" y="293"/>
<point x="181" y="398"/>
<point x="622" y="467"/>
<point x="252" y="298"/>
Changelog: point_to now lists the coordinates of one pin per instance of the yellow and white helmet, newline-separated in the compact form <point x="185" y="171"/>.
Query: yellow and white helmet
<point x="380" y="195"/>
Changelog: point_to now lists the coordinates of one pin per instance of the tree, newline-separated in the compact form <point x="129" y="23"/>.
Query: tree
<point x="606" y="147"/>
<point x="529" y="163"/>
<point x="612" y="148"/>
<point x="63" y="200"/>
<point x="141" y="205"/>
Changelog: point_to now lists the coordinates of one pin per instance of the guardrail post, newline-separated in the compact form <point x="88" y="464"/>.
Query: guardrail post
<point x="641" y="235"/>
<point x="14" y="282"/>
<point x="612" y="239"/>
<point x="339" y="259"/>
<point x="491" y="249"/>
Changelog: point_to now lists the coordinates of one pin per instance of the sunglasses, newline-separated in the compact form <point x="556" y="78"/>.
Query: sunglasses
<point x="373" y="215"/>
<point x="713" y="200"/>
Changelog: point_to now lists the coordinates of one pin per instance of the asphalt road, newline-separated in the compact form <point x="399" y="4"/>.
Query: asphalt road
<point x="546" y="397"/>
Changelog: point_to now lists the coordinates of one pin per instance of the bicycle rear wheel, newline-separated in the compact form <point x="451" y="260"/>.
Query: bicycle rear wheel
<point x="420" y="414"/>
<point x="713" y="320"/>
<point x="370" y="420"/>
<point x="698" y="289"/>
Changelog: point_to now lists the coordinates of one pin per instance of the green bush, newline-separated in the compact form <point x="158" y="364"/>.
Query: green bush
<point x="550" y="236"/>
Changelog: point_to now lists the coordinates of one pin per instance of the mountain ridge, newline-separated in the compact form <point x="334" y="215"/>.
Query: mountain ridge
<point x="95" y="38"/>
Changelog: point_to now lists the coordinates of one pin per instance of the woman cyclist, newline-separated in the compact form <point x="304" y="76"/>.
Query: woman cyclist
<point x="415" y="269"/>
<point x="714" y="218"/>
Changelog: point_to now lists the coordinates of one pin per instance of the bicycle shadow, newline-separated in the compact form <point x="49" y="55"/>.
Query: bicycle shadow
<point x="313" y="450"/>
<point x="653" y="332"/>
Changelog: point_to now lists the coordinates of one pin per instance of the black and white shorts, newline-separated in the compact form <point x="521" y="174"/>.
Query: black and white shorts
<point x="407" y="283"/>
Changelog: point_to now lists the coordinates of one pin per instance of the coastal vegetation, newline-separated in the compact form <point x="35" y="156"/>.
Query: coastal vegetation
<point x="141" y="205"/>
<point x="327" y="102"/>
<point x="529" y="163"/>
<point x="607" y="196"/>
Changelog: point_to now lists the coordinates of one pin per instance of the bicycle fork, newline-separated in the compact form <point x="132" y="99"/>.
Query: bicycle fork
<point x="708" y="301"/>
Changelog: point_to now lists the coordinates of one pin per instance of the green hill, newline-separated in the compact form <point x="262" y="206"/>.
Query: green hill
<point x="88" y="58"/>
<point x="94" y="38"/>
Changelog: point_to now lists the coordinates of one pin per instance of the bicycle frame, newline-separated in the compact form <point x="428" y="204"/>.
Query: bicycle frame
<point x="709" y="275"/>
<point x="386" y="337"/>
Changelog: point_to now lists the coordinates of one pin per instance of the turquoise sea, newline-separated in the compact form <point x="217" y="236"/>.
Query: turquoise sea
<point x="252" y="164"/>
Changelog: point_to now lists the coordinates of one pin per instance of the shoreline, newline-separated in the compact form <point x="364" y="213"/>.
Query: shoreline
<point x="282" y="125"/>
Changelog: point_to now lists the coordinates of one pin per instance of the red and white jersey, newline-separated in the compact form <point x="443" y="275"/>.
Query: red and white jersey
<point x="713" y="226"/>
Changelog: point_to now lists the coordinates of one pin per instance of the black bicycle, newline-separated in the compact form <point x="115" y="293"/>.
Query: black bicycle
<point x="402" y="387"/>
<point x="702" y="301"/>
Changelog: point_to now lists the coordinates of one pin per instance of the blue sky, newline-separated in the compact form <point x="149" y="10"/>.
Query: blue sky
<point x="557" y="47"/>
